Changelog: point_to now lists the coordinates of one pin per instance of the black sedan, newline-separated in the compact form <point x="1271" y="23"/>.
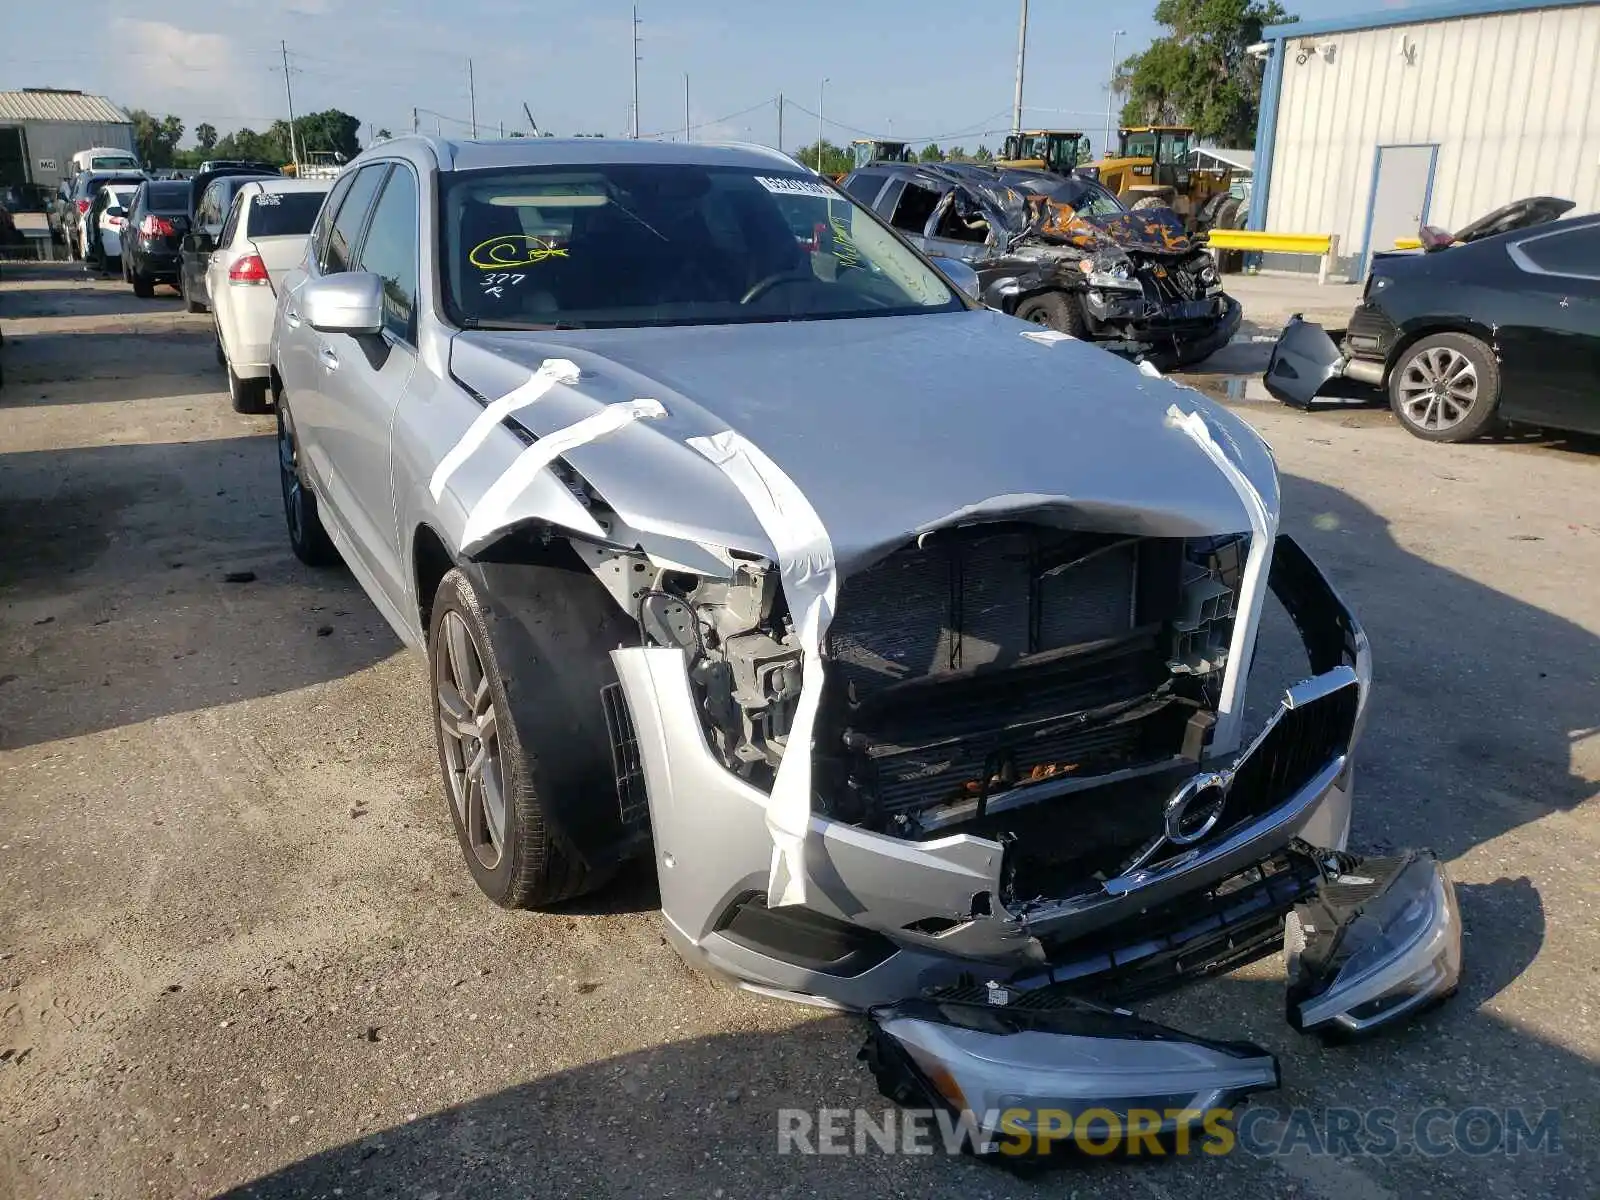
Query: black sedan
<point x="157" y="220"/>
<point x="1471" y="331"/>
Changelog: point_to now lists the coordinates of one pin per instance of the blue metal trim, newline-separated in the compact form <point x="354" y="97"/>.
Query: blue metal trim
<point x="1266" y="136"/>
<point x="1417" y="15"/>
<point x="1372" y="193"/>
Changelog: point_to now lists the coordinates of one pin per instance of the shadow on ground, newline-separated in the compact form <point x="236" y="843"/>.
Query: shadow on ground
<point x="701" y="1118"/>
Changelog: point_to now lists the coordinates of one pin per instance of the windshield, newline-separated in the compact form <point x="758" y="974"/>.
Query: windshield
<point x="281" y="214"/>
<point x="1139" y="145"/>
<point x="668" y="244"/>
<point x="1078" y="194"/>
<point x="113" y="162"/>
<point x="118" y="199"/>
<point x="167" y="198"/>
<point x="1174" y="148"/>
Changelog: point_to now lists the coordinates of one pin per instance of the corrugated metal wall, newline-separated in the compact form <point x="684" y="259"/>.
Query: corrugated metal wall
<point x="1512" y="101"/>
<point x="60" y="140"/>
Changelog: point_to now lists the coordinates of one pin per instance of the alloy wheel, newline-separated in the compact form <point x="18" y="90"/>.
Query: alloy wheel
<point x="469" y="732"/>
<point x="289" y="478"/>
<point x="1438" y="388"/>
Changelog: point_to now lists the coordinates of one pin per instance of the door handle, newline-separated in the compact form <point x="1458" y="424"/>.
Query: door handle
<point x="291" y="318"/>
<point x="330" y="360"/>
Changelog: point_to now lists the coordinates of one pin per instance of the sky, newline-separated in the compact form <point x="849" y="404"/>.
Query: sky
<point x="913" y="69"/>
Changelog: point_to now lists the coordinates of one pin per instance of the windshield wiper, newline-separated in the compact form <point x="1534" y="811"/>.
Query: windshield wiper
<point x="520" y="326"/>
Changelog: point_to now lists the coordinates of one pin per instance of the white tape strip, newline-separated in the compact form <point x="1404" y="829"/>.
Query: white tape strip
<point x="1252" y="586"/>
<point x="551" y="372"/>
<point x="810" y="585"/>
<point x="494" y="507"/>
<point x="1048" y="337"/>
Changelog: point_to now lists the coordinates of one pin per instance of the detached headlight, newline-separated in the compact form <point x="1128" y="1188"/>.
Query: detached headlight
<point x="1374" y="945"/>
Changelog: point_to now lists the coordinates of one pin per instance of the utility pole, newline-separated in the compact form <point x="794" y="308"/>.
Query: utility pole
<point x="502" y="130"/>
<point x="533" y="126"/>
<point x="416" y="126"/>
<point x="636" y="71"/>
<point x="1111" y="89"/>
<point x="686" y="106"/>
<point x="821" y="92"/>
<point x="472" y="99"/>
<point x="288" y="94"/>
<point x="780" y="122"/>
<point x="1022" y="57"/>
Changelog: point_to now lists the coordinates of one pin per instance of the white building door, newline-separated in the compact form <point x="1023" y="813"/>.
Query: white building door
<point x="1401" y="186"/>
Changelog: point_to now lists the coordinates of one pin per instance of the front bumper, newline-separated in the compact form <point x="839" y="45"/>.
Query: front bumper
<point x="1167" y="336"/>
<point x="890" y="916"/>
<point x="1027" y="1068"/>
<point x="1305" y="360"/>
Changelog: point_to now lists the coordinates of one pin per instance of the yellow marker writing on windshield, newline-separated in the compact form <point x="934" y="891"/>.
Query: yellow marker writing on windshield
<point x="513" y="250"/>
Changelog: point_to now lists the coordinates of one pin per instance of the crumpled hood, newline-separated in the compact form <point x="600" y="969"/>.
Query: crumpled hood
<point x="889" y="426"/>
<point x="1148" y="231"/>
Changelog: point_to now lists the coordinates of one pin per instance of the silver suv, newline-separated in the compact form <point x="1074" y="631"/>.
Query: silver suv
<point x="908" y="638"/>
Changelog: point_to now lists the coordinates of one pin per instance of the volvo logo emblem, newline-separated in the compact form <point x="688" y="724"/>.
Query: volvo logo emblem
<point x="1195" y="808"/>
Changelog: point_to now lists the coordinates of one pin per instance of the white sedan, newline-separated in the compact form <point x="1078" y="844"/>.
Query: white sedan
<point x="264" y="236"/>
<point x="112" y="209"/>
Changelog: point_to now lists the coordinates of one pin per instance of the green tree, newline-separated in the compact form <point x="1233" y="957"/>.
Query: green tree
<point x="931" y="153"/>
<point x="1199" y="73"/>
<point x="383" y="135"/>
<point x="155" y="139"/>
<point x="983" y="154"/>
<point x="205" y="136"/>
<point x="332" y="130"/>
<point x="247" y="143"/>
<point x="836" y="160"/>
<point x="957" y="154"/>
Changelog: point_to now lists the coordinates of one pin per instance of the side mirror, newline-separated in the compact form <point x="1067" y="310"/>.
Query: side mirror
<point x="351" y="302"/>
<point x="960" y="274"/>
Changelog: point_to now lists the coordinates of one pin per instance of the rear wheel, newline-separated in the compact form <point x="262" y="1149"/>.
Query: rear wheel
<point x="1445" y="388"/>
<point x="143" y="286"/>
<point x="521" y="726"/>
<point x="1054" y="310"/>
<point x="307" y="538"/>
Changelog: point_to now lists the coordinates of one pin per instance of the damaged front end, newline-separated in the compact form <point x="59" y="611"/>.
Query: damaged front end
<point x="1146" y="291"/>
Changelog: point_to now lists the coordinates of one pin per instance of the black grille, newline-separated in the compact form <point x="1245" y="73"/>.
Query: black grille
<point x="961" y="738"/>
<point x="922" y="709"/>
<point x="626" y="766"/>
<point x="1301" y="742"/>
<point x="989" y="596"/>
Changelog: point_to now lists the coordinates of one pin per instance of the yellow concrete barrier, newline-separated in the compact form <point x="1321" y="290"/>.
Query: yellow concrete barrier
<point x="1324" y="244"/>
<point x="1408" y="243"/>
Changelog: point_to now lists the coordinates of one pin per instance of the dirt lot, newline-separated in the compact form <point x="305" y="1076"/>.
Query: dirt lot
<point x="238" y="949"/>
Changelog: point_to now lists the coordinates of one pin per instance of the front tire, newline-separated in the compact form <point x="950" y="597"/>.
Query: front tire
<point x="521" y="728"/>
<point x="307" y="538"/>
<point x="143" y="286"/>
<point x="1446" y="388"/>
<point x="1054" y="310"/>
<point x="189" y="305"/>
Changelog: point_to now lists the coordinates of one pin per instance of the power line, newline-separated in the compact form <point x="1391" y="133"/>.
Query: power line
<point x="714" y="121"/>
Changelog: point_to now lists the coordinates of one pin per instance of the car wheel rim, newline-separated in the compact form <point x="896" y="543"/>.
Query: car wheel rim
<point x="1039" y="317"/>
<point x="1438" y="388"/>
<point x="289" y="476"/>
<point x="470" y="734"/>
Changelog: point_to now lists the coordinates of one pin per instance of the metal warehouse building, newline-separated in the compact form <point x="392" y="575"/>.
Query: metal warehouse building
<point x="1372" y="125"/>
<point x="42" y="128"/>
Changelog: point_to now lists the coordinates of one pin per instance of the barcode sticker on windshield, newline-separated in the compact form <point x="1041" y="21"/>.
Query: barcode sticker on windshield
<point x="794" y="187"/>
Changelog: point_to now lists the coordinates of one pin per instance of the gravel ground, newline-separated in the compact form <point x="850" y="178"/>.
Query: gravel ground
<point x="238" y="949"/>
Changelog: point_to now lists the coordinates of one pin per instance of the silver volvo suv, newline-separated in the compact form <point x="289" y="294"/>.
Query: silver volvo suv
<point x="909" y="640"/>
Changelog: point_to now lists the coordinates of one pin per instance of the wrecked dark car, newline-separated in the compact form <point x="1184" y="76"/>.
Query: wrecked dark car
<point x="1063" y="253"/>
<point x="908" y="640"/>
<point x="1497" y="323"/>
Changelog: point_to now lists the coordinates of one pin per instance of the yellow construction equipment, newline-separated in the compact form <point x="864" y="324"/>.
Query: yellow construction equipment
<point x="1057" y="150"/>
<point x="1151" y="167"/>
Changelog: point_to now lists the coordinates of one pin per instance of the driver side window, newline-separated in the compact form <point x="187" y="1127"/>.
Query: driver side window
<point x="916" y="206"/>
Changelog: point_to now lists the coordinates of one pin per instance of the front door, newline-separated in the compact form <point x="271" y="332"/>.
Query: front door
<point x="1401" y="187"/>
